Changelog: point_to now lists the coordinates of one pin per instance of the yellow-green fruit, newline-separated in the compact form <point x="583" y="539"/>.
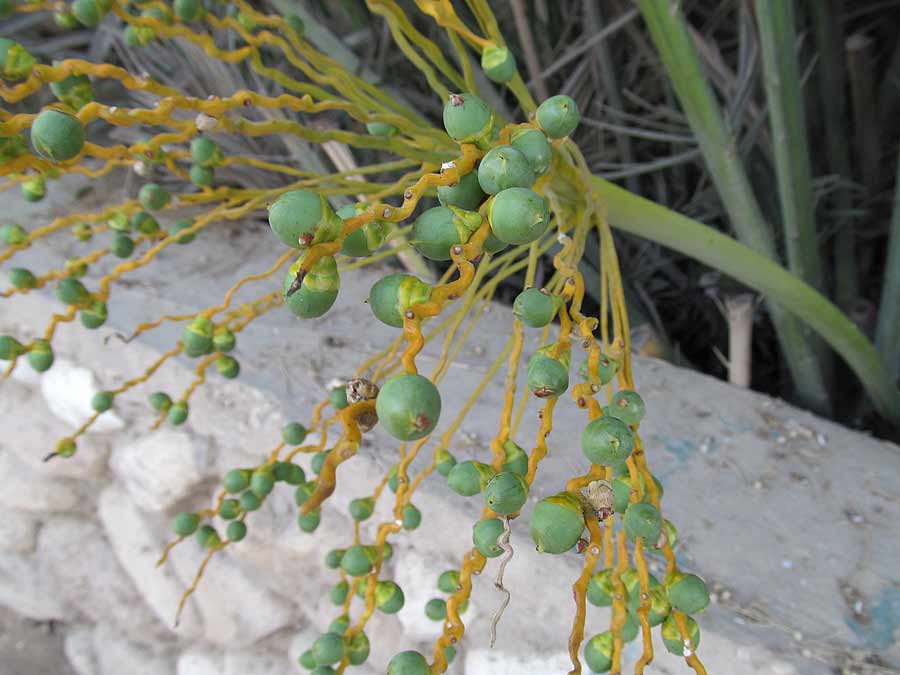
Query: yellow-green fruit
<point x="389" y="597"/>
<point x="223" y="340"/>
<point x="485" y="534"/>
<point x="518" y="215"/>
<point x="504" y="167"/>
<point x="547" y="377"/>
<point x="448" y="581"/>
<point x="534" y="145"/>
<point x="364" y="240"/>
<point x="179" y="226"/>
<point x="34" y="189"/>
<point x="22" y="278"/>
<point x="12" y="146"/>
<point x="467" y="118"/>
<point x="557" y="523"/>
<point x="328" y="649"/>
<point x="317" y="292"/>
<point x="506" y="493"/>
<point x="436" y="609"/>
<point x="362" y="508"/>
<point x="102" y="401"/>
<point x="687" y="593"/>
<point x="65" y="20"/>
<point x="440" y="228"/>
<point x="57" y="136"/>
<point x="358" y="649"/>
<point x="598" y="652"/>
<point x="628" y="406"/>
<point x="138" y="36"/>
<point x="75" y="91"/>
<point x="672" y="638"/>
<point x="72" y="292"/>
<point x="228" y="367"/>
<point x="13" y="234"/>
<point x="205" y="152"/>
<point x="178" y="413"/>
<point x="515" y="458"/>
<point x="606" y="441"/>
<point x="558" y="116"/>
<point x="198" y="337"/>
<point x="122" y="246"/>
<point x="15" y="61"/>
<point x="40" y="356"/>
<point x="498" y="64"/>
<point x="606" y="369"/>
<point x="445" y="461"/>
<point x="408" y="663"/>
<point x="88" y="12"/>
<point x="301" y="218"/>
<point x="391" y="296"/>
<point x="408" y="406"/>
<point x="94" y="315"/>
<point x="412" y="517"/>
<point x="10" y="348"/>
<point x="535" y="307"/>
<point x="601" y="589"/>
<point x="470" y="477"/>
<point x="465" y="194"/>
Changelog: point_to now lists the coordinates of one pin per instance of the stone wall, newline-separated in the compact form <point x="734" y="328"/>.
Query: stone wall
<point x="791" y="518"/>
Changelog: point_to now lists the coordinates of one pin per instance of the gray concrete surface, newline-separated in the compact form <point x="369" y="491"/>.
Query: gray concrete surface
<point x="793" y="519"/>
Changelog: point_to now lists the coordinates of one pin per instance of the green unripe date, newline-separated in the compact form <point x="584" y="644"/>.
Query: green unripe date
<point x="628" y="406"/>
<point x="122" y="246"/>
<point x="672" y="638"/>
<point x="75" y="91"/>
<point x="504" y="167"/>
<point x="606" y="369"/>
<point x="198" y="337"/>
<point x="13" y="234"/>
<point x="558" y="116"/>
<point x="293" y="433"/>
<point x="393" y="295"/>
<point x="185" y="524"/>
<point x="408" y="663"/>
<point x="57" y="136"/>
<point x="358" y="649"/>
<point x="498" y="64"/>
<point x="547" y="377"/>
<point x="598" y="652"/>
<point x="179" y="226"/>
<point x="440" y="228"/>
<point x="518" y="215"/>
<point x="102" y="401"/>
<point x="535" y="307"/>
<point x="465" y="194"/>
<point x="687" y="593"/>
<point x="338" y="593"/>
<point x="161" y="402"/>
<point x="22" y="278"/>
<point x="362" y="509"/>
<point x="389" y="597"/>
<point x="506" y="493"/>
<point x="469" y="478"/>
<point x="202" y="176"/>
<point x="644" y="521"/>
<point x="408" y="406"/>
<point x="485" y="534"/>
<point x="606" y="441"/>
<point x="381" y="129"/>
<point x="318" y="291"/>
<point x="557" y="523"/>
<point x="444" y="461"/>
<point x="364" y="240"/>
<point x="178" y="413"/>
<point x="154" y="197"/>
<point x="536" y="148"/>
<point x="328" y="649"/>
<point x="467" y="118"/>
<point x="301" y="218"/>
<point x="448" y="582"/>
<point x="412" y="517"/>
<point x="236" y="530"/>
<point x="40" y="356"/>
<point x="72" y="292"/>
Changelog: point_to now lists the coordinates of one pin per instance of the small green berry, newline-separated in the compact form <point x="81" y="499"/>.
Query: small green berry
<point x="207" y="537"/>
<point x="498" y="64"/>
<point x="338" y="593"/>
<point x="160" y="401"/>
<point x="236" y="530"/>
<point x="122" y="246"/>
<point x="557" y="523"/>
<point x="228" y="366"/>
<point x="13" y="234"/>
<point x="412" y="517"/>
<point x="202" y="176"/>
<point x="436" y="609"/>
<point x="236" y="480"/>
<point x="179" y="226"/>
<point x="558" y="116"/>
<point x="249" y="501"/>
<point x="448" y="582"/>
<point x="185" y="524"/>
<point x="445" y="461"/>
<point x="40" y="356"/>
<point x="506" y="493"/>
<point x="644" y="521"/>
<point x="309" y="522"/>
<point x="94" y="315"/>
<point x="153" y="197"/>
<point x="469" y="478"/>
<point x="293" y="433"/>
<point x="535" y="307"/>
<point x="518" y="215"/>
<point x="178" y="413"/>
<point x="102" y="401"/>
<point x="607" y="440"/>
<point x="362" y="509"/>
<point x="408" y="406"/>
<point x="57" y="136"/>
<point x="485" y="534"/>
<point x="261" y="482"/>
<point x="230" y="509"/>
<point x="408" y="663"/>
<point x="504" y="167"/>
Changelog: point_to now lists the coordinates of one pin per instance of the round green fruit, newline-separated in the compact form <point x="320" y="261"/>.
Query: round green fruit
<point x="408" y="663"/>
<point x="558" y="116"/>
<point x="22" y="278"/>
<point x="672" y="638"/>
<point x="74" y="90"/>
<point x="644" y="521"/>
<point x="339" y="625"/>
<point x="362" y="509"/>
<point x="262" y="482"/>
<point x="249" y="501"/>
<point x="364" y="240"/>
<point x="606" y="369"/>
<point x="606" y="441"/>
<point x="535" y="307"/>
<point x="301" y="218"/>
<point x="504" y="167"/>
<point x="307" y="660"/>
<point x="518" y="215"/>
<point x="236" y="480"/>
<point x="338" y="593"/>
<point x="197" y="337"/>
<point x="408" y="406"/>
<point x="179" y="226"/>
<point x="358" y="560"/>
<point x="448" y="582"/>
<point x="444" y="461"/>
<point x="154" y="197"/>
<point x="94" y="315"/>
<point x="436" y="609"/>
<point x="412" y="517"/>
<point x="34" y="189"/>
<point x="537" y="149"/>
<point x="358" y="649"/>
<point x="10" y="348"/>
<point x="122" y="246"/>
<point x="465" y="194"/>
<point x="293" y="433"/>
<point x="236" y="530"/>
<point x="687" y="593"/>
<point x="72" y="292"/>
<point x="205" y="151"/>
<point x="393" y="295"/>
<point x="160" y="401"/>
<point x="88" y="12"/>
<point x="598" y="652"/>
<point x="40" y="356"/>
<point x="188" y="10"/>
<point x="557" y="523"/>
<point x="318" y="291"/>
<point x="389" y="597"/>
<point x="207" y="537"/>
<point x="310" y="522"/>
<point x="15" y="61"/>
<point x="178" y="413"/>
<point x="506" y="493"/>
<point x="230" y="509"/>
<point x="485" y="534"/>
<point x="601" y="589"/>
<point x="13" y="234"/>
<point x="57" y="136"/>
<point x="469" y="478"/>
<point x="328" y="649"/>
<point x="228" y="367"/>
<point x="498" y="64"/>
<point x="547" y="377"/>
<point x="467" y="118"/>
<point x="202" y="176"/>
<point x="185" y="524"/>
<point x="627" y="406"/>
<point x="440" y="228"/>
<point x="102" y="401"/>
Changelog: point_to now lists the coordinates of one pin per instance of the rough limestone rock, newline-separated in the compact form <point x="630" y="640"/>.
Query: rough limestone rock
<point x="18" y="531"/>
<point x="79" y="649"/>
<point x="30" y="490"/>
<point x="68" y="389"/>
<point x="74" y="551"/>
<point x="25" y="590"/>
<point x="117" y="655"/>
<point x="201" y="661"/>
<point x="236" y="611"/>
<point x="158" y="469"/>
<point x="137" y="540"/>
